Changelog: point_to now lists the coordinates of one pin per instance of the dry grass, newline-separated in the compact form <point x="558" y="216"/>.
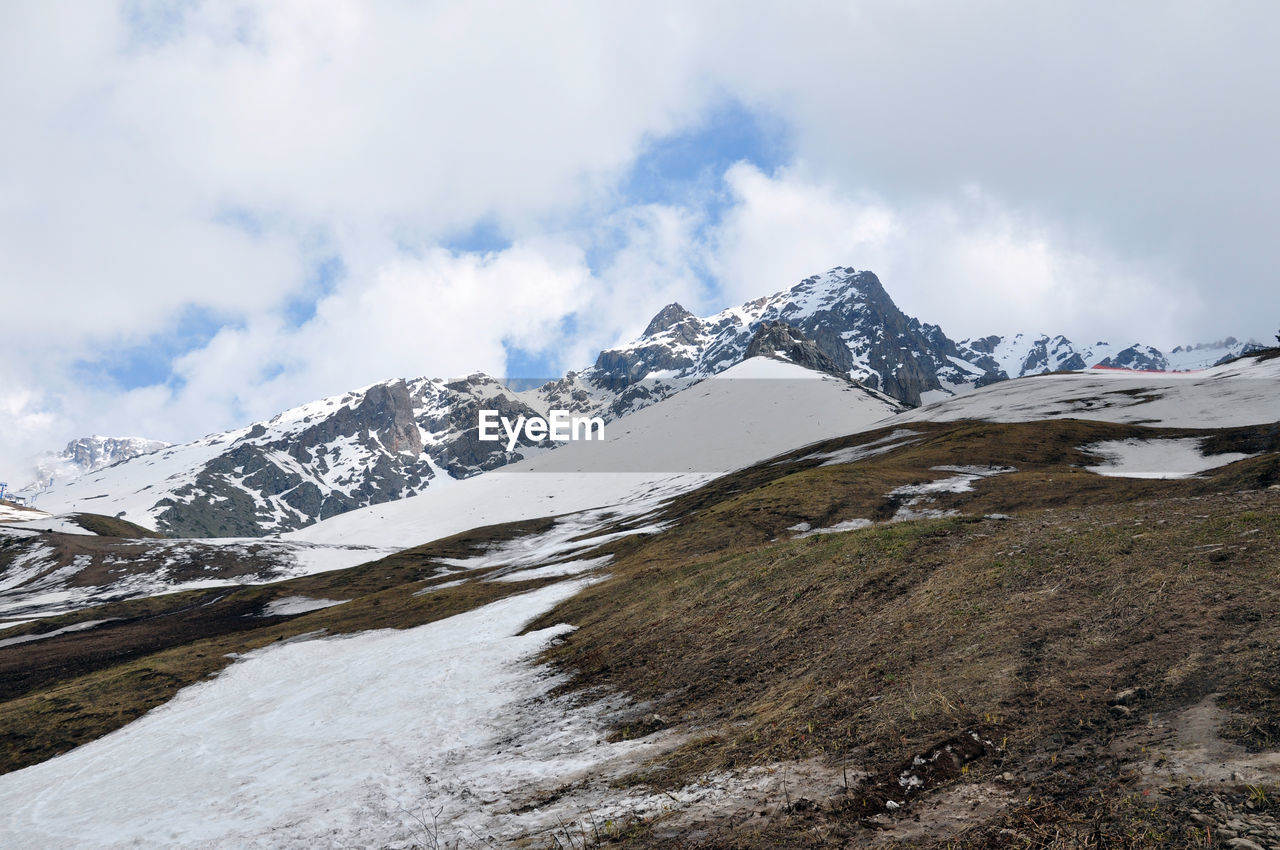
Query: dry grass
<point x="106" y="526"/>
<point x="870" y="647"/>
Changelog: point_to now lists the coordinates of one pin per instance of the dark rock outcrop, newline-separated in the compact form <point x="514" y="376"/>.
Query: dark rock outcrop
<point x="778" y="339"/>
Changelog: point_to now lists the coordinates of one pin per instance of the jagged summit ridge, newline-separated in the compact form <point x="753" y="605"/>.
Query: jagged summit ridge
<point x="854" y="322"/>
<point x="846" y="312"/>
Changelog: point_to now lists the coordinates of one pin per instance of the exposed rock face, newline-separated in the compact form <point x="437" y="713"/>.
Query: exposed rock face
<point x="1142" y="357"/>
<point x="387" y="442"/>
<point x="667" y="318"/>
<point x="778" y="339"/>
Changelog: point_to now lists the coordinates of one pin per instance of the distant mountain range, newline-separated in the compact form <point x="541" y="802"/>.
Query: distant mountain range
<point x="89" y="454"/>
<point x="393" y="439"/>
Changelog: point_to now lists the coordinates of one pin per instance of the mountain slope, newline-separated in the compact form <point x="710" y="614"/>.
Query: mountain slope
<point x="384" y="442"/>
<point x="752" y="411"/>
<point x="733" y="648"/>
<point x="854" y="324"/>
<point x="88" y="454"/>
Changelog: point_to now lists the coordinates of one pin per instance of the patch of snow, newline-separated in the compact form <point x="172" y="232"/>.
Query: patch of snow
<point x="13" y="513"/>
<point x="907" y="513"/>
<point x="74" y="627"/>
<point x="288" y="605"/>
<point x="335" y="741"/>
<point x="923" y="494"/>
<point x="40" y="521"/>
<point x="900" y="437"/>
<point x="1177" y="458"/>
<point x="847" y="525"/>
<point x="32" y="587"/>
<point x="569" y="568"/>
<point x="433" y="588"/>
<point x="961" y="483"/>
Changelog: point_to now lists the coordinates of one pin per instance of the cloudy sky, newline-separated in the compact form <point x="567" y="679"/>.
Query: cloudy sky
<point x="212" y="211"/>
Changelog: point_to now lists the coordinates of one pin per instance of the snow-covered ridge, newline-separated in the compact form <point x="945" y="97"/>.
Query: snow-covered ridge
<point x="1243" y="392"/>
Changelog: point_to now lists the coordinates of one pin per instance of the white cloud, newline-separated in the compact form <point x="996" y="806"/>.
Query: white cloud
<point x="439" y="315"/>
<point x="1122" y="158"/>
<point x="968" y="262"/>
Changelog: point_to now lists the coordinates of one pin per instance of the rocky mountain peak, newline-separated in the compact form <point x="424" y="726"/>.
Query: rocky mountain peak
<point x="667" y="318"/>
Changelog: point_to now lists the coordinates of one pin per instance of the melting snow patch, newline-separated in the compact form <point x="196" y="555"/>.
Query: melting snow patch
<point x="569" y="536"/>
<point x="288" y="605"/>
<point x="922" y="494"/>
<point x="847" y="525"/>
<point x="906" y="513"/>
<point x="1180" y="458"/>
<point x="960" y="483"/>
<point x="75" y="627"/>
<point x="331" y="742"/>
<point x="569" y="568"/>
<point x="900" y="437"/>
<point x="12" y="513"/>
<point x="433" y="588"/>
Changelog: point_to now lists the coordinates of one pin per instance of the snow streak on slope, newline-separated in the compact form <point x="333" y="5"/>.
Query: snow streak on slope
<point x="331" y="742"/>
<point x="1245" y="392"/>
<point x="50" y="578"/>
<point x="751" y="412"/>
<point x="13" y="513"/>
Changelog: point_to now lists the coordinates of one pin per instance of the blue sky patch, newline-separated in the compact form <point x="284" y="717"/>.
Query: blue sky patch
<point x="689" y="166"/>
<point x="150" y="363"/>
<point x="321" y="281"/>
<point x="483" y="237"/>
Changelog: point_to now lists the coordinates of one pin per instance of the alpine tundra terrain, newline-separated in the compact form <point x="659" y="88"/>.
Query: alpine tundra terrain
<point x="777" y="607"/>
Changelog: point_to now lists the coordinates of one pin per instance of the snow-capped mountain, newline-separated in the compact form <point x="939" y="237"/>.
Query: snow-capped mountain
<point x="393" y="439"/>
<point x="850" y="321"/>
<point x="1020" y="355"/>
<point x="846" y="313"/>
<point x="753" y="410"/>
<point x="383" y="442"/>
<point x="88" y="454"/>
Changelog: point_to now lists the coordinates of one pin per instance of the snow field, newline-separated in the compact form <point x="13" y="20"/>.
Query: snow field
<point x="327" y="742"/>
